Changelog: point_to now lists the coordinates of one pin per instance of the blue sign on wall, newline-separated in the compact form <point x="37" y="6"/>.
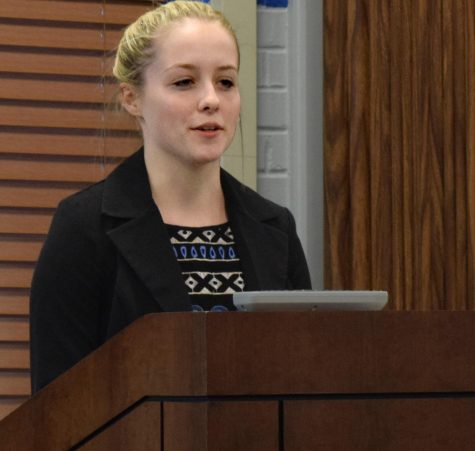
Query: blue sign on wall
<point x="274" y="3"/>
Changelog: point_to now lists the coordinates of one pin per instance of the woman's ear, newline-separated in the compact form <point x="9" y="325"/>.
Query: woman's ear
<point x="130" y="99"/>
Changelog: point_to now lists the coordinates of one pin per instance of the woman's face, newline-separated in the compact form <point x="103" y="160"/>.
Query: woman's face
<point x="190" y="103"/>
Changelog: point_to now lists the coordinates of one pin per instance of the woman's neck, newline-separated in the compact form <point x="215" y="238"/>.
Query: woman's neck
<point x="186" y="195"/>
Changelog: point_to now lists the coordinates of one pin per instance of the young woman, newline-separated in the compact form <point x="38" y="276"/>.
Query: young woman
<point x="168" y="230"/>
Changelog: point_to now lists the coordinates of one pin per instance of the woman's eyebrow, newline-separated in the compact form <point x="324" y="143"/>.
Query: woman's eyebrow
<point x="193" y="67"/>
<point x="181" y="66"/>
<point x="228" y="67"/>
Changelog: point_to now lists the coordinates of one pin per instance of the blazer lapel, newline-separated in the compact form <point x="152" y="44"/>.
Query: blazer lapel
<point x="141" y="236"/>
<point x="263" y="249"/>
<point x="263" y="253"/>
<point x="144" y="243"/>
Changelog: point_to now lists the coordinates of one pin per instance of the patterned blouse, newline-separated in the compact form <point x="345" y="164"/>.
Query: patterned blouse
<point x="209" y="264"/>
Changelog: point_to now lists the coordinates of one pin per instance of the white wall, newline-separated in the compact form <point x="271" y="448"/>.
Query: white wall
<point x="290" y="118"/>
<point x="240" y="158"/>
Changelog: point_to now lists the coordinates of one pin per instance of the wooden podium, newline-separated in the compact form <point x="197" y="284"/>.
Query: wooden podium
<point x="264" y="381"/>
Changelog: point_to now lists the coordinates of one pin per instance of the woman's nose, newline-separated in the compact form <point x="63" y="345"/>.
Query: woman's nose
<point x="209" y="99"/>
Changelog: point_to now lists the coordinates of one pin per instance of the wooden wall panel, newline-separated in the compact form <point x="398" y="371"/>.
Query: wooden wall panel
<point x="379" y="128"/>
<point x="469" y="27"/>
<point x="337" y="182"/>
<point x="358" y="143"/>
<point x="59" y="132"/>
<point x="399" y="101"/>
<point x="428" y="155"/>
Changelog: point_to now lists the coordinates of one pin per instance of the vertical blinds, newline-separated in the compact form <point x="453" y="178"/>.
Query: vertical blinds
<point x="57" y="135"/>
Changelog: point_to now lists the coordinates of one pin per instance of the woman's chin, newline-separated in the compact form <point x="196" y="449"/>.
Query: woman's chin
<point x="207" y="158"/>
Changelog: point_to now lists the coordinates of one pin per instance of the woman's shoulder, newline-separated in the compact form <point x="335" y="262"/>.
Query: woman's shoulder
<point x="84" y="202"/>
<point x="80" y="215"/>
<point x="120" y="185"/>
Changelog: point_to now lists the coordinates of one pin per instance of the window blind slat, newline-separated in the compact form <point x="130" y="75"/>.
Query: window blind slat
<point x="125" y="14"/>
<point x="25" y="223"/>
<point x="19" y="251"/>
<point x="15" y="384"/>
<point x="55" y="64"/>
<point x="58" y="37"/>
<point x="13" y="329"/>
<point x="12" y="304"/>
<point x="14" y="356"/>
<point x="64" y="171"/>
<point x="91" y="12"/>
<point x="74" y="145"/>
<point x="33" y="196"/>
<point x="46" y="10"/>
<point x="64" y="117"/>
<point x="57" y="91"/>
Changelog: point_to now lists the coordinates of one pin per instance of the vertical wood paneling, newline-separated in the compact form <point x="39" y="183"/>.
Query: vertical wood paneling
<point x="409" y="127"/>
<point x="408" y="166"/>
<point x="359" y="159"/>
<point x="450" y="231"/>
<point x="428" y="182"/>
<point x="337" y="186"/>
<point x="470" y="146"/>
<point x="462" y="297"/>
<point x="455" y="144"/>
<point x="381" y="213"/>
<point x="399" y="176"/>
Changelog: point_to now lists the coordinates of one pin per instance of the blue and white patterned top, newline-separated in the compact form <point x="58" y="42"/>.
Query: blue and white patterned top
<point x="209" y="263"/>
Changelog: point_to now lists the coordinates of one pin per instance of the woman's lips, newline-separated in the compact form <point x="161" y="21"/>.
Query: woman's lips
<point x="208" y="130"/>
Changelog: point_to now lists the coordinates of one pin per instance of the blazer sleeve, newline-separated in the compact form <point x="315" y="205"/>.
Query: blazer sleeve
<point x="298" y="273"/>
<point x="66" y="292"/>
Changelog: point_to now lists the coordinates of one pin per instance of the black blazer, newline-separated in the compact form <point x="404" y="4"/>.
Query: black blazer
<point x="107" y="261"/>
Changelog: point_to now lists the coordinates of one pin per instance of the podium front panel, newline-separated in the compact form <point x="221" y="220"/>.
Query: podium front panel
<point x="139" y="429"/>
<point x="221" y="426"/>
<point x="435" y="424"/>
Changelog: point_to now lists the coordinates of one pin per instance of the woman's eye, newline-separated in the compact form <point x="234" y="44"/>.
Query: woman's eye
<point x="185" y="83"/>
<point x="228" y="84"/>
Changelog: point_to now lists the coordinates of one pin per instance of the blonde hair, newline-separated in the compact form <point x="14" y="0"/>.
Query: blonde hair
<point x="136" y="50"/>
